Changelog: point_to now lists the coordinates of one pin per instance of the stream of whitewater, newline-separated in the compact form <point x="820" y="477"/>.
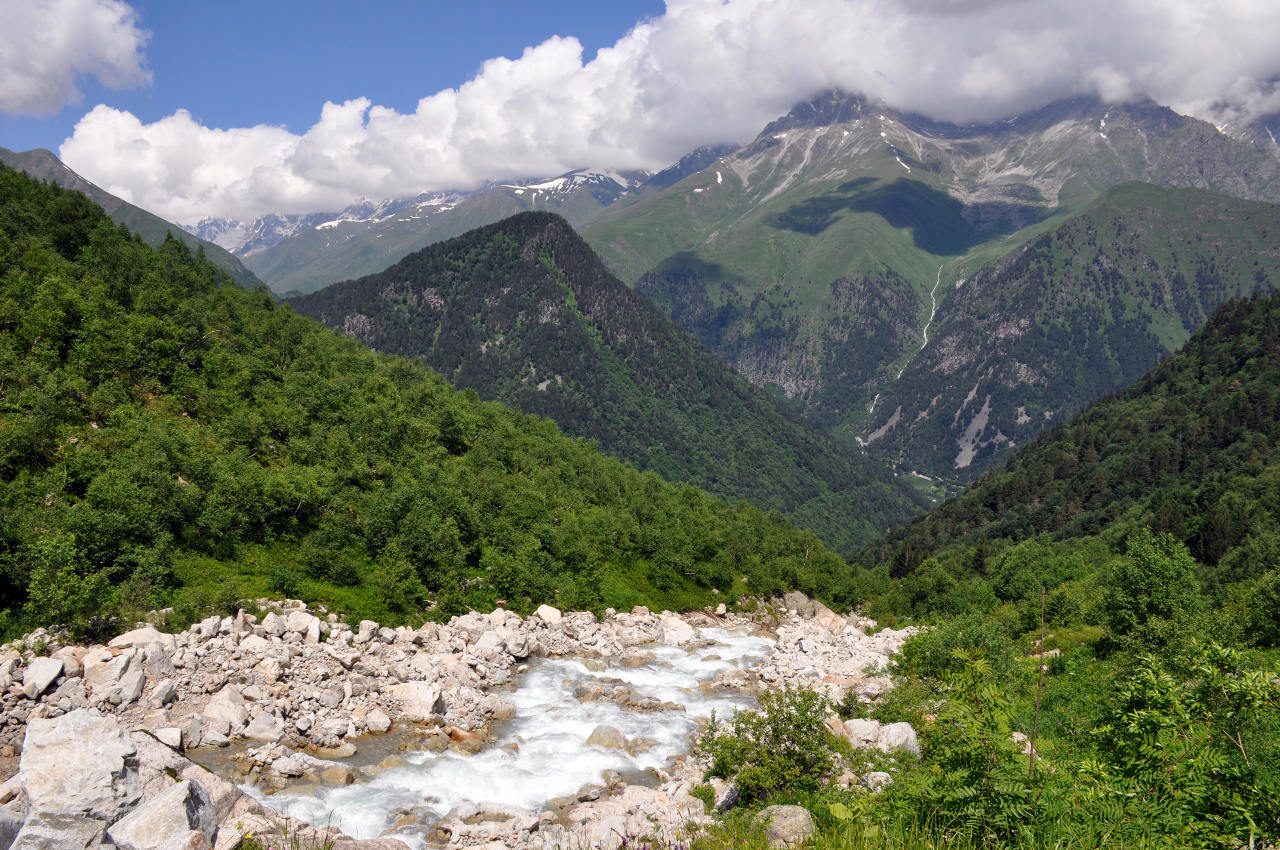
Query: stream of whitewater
<point x="541" y="753"/>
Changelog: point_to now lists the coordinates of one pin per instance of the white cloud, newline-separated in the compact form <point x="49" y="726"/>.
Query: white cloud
<point x="45" y="45"/>
<point x="705" y="71"/>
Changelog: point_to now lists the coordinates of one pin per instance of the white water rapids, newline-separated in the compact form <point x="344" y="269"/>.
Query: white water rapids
<point x="541" y="753"/>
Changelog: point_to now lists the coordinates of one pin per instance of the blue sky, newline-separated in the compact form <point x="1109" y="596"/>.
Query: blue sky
<point x="236" y="109"/>
<point x="235" y="63"/>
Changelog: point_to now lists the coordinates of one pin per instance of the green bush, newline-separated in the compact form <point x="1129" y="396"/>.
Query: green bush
<point x="784" y="747"/>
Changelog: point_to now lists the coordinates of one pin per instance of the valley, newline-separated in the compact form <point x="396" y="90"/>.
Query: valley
<point x="768" y="424"/>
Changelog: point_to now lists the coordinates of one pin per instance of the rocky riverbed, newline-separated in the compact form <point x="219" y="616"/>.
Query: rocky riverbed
<point x="291" y="704"/>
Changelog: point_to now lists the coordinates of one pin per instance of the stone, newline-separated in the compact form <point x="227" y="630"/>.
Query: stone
<point x="288" y="767"/>
<point x="265" y="727"/>
<point x="10" y="826"/>
<point x="170" y="736"/>
<point x="877" y="781"/>
<point x="798" y="602"/>
<point x="418" y="700"/>
<point x="786" y="826"/>
<point x="862" y="734"/>
<point x="170" y="816"/>
<point x="228" y="706"/>
<point x="609" y="737"/>
<point x="50" y="831"/>
<point x="80" y="764"/>
<point x="144" y="636"/>
<point x="898" y="736"/>
<point x="490" y="641"/>
<point x="254" y="643"/>
<point x="164" y="692"/>
<point x="130" y="687"/>
<point x="550" y="616"/>
<point x="675" y="631"/>
<point x="191" y="732"/>
<point x="377" y="721"/>
<point x="39" y="675"/>
<point x="273" y="624"/>
<point x="332" y="697"/>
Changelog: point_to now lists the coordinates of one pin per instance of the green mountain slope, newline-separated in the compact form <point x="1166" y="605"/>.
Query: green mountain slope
<point x="813" y="259"/>
<point x="1192" y="449"/>
<point x="523" y="312"/>
<point x="1076" y="314"/>
<point x="166" y="437"/>
<point x="43" y="165"/>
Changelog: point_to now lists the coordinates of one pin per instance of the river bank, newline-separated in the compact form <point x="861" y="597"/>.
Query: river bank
<point x="297" y="695"/>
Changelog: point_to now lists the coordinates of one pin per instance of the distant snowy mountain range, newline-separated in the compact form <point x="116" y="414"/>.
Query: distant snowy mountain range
<point x="247" y="238"/>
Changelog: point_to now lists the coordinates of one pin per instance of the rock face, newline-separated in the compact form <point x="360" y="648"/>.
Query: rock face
<point x="166" y="818"/>
<point x="80" y="764"/>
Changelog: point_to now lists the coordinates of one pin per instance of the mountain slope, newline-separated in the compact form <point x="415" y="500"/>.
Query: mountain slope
<point x="812" y="258"/>
<point x="43" y="165"/>
<point x="524" y="312"/>
<point x="1076" y="314"/>
<point x="1192" y="449"/>
<point x="320" y="250"/>
<point x="167" y="437"/>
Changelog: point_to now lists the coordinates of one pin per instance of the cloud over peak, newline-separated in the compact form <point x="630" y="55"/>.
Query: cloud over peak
<point x="706" y="71"/>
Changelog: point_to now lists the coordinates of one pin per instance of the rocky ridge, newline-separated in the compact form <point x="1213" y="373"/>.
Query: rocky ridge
<point x="298" y="692"/>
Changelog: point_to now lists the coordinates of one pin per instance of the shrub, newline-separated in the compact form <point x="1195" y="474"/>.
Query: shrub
<point x="784" y="747"/>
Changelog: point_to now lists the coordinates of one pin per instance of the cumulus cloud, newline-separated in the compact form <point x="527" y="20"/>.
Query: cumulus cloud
<point x="46" y="45"/>
<point x="705" y="71"/>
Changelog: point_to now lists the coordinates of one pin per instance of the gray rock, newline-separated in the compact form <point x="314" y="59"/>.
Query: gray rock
<point x="786" y="825"/>
<point x="862" y="734"/>
<point x="80" y="764"/>
<point x="184" y="808"/>
<point x="130" y="687"/>
<point x="51" y="831"/>
<point x="273" y="624"/>
<point x="163" y="692"/>
<point x="191" y="732"/>
<point x="10" y="826"/>
<point x="288" y="767"/>
<point x="898" y="736"/>
<point x="332" y="697"/>
<point x="39" y="675"/>
<point x="675" y="631"/>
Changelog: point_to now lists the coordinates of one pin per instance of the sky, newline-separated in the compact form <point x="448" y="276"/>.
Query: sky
<point x="236" y="109"/>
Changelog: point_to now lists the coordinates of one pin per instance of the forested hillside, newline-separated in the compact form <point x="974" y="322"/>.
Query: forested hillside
<point x="524" y="313"/>
<point x="168" y="437"/>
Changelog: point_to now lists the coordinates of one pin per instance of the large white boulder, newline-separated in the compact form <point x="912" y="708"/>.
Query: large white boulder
<point x="898" y="736"/>
<point x="144" y="636"/>
<point x="675" y="631"/>
<point x="80" y="764"/>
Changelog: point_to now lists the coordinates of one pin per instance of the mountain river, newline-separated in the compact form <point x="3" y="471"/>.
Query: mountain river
<point x="541" y="753"/>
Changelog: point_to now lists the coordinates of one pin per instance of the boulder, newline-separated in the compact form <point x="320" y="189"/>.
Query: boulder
<point x="164" y="692"/>
<point x="80" y="764"/>
<point x="675" y="631"/>
<point x="144" y="636"/>
<point x="169" y="817"/>
<point x="49" y="831"/>
<point x="609" y="737"/>
<point x="898" y="736"/>
<point x="785" y="826"/>
<point x="228" y="706"/>
<point x="550" y="616"/>
<point x="862" y="734"/>
<point x="265" y="727"/>
<point x="273" y="624"/>
<point x="418" y="700"/>
<point x="377" y="721"/>
<point x="170" y="736"/>
<point x="130" y="686"/>
<point x="490" y="641"/>
<point x="877" y="781"/>
<point x="254" y="643"/>
<point x="39" y="675"/>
